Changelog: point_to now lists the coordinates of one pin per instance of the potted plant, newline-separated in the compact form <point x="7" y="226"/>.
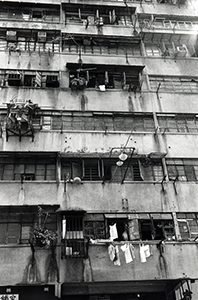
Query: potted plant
<point x="41" y="236"/>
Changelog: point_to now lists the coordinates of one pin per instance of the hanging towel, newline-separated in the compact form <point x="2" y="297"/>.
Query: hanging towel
<point x="111" y="251"/>
<point x="128" y="250"/>
<point x="142" y="254"/>
<point x="113" y="232"/>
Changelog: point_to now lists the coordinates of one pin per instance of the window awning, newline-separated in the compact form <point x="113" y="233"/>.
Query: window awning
<point x="136" y="69"/>
<point x="18" y="209"/>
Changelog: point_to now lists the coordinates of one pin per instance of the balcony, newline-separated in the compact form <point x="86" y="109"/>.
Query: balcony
<point x="158" y="266"/>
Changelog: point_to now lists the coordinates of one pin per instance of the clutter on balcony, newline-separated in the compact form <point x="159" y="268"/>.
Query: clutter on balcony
<point x="19" y="118"/>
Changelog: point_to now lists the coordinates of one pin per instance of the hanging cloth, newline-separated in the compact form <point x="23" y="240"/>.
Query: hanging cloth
<point x="111" y="251"/>
<point x="113" y="16"/>
<point x="113" y="232"/>
<point x="147" y="251"/>
<point x="142" y="254"/>
<point x="128" y="250"/>
<point x="117" y="257"/>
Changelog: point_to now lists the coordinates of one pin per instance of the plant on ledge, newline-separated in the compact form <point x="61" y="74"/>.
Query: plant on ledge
<point x="42" y="236"/>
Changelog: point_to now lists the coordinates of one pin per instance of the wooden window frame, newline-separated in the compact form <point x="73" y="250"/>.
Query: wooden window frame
<point x="182" y="171"/>
<point x="24" y="173"/>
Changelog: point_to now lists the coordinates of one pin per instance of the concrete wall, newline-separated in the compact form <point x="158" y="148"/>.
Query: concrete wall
<point x="17" y="273"/>
<point x="86" y="142"/>
<point x="98" y="197"/>
<point x="177" y="261"/>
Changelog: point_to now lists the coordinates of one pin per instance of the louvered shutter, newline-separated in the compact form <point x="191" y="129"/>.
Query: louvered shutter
<point x="25" y="234"/>
<point x="3" y="228"/>
<point x="133" y="228"/>
<point x="13" y="233"/>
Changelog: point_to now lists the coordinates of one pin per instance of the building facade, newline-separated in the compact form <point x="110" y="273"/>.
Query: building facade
<point x="98" y="149"/>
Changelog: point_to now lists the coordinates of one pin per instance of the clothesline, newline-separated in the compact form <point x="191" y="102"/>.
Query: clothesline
<point x="129" y="252"/>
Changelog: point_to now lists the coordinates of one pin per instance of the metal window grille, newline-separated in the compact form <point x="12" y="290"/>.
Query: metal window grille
<point x="73" y="236"/>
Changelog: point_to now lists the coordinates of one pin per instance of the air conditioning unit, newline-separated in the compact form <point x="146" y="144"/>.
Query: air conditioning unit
<point x="181" y="50"/>
<point x="42" y="36"/>
<point x="11" y="35"/>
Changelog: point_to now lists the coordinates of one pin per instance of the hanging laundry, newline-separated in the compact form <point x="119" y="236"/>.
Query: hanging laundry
<point x="113" y="16"/>
<point x="114" y="254"/>
<point x="147" y="251"/>
<point x="117" y="257"/>
<point x="128" y="250"/>
<point x="144" y="252"/>
<point x="111" y="251"/>
<point x="113" y="232"/>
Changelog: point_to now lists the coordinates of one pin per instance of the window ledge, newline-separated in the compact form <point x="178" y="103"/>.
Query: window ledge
<point x="150" y="242"/>
<point x="28" y="181"/>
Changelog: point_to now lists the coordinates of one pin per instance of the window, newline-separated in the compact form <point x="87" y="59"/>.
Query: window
<point x="182" y="169"/>
<point x="94" y="226"/>
<point x="37" y="14"/>
<point x="100" y="46"/>
<point x="105" y="77"/>
<point x="130" y="227"/>
<point x="94" y="15"/>
<point x="27" y="13"/>
<point x="128" y="173"/>
<point x="31" y="41"/>
<point x="14" y="79"/>
<point x="177" y="84"/>
<point x="121" y="225"/>
<point x="73" y="235"/>
<point x="178" y="123"/>
<point x="16" y="228"/>
<point x="188" y="225"/>
<point x="100" y="122"/>
<point x="152" y="50"/>
<point x="52" y="81"/>
<point x="106" y="169"/>
<point x="91" y="170"/>
<point x="156" y="229"/>
<point x="29" y="79"/>
<point x="27" y="168"/>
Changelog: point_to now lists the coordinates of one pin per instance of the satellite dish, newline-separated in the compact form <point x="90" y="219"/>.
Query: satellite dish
<point x="77" y="180"/>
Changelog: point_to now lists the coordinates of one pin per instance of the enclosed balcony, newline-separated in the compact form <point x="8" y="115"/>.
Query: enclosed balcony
<point x="96" y="19"/>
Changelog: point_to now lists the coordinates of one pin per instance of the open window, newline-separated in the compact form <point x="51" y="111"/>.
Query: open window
<point x="93" y="169"/>
<point x="105" y="77"/>
<point x="116" y="227"/>
<point x="90" y="15"/>
<point x="156" y="229"/>
<point x="131" y="227"/>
